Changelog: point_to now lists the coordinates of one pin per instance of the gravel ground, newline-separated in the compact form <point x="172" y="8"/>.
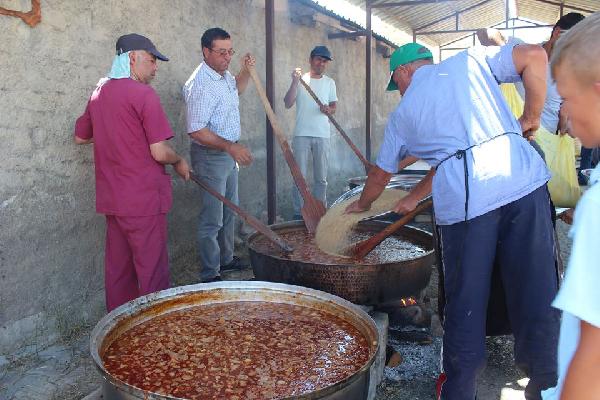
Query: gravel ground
<point x="65" y="371"/>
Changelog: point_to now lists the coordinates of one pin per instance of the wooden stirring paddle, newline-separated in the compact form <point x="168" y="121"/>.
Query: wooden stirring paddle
<point x="252" y="221"/>
<point x="313" y="209"/>
<point x="360" y="249"/>
<point x="362" y="158"/>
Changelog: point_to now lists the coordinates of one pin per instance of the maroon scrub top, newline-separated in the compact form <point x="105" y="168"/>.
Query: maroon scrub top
<point x="125" y="117"/>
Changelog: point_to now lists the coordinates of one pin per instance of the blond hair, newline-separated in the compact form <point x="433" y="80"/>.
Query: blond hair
<point x="579" y="49"/>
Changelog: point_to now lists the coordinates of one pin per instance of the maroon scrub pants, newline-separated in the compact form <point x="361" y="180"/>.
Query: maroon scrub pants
<point x="136" y="261"/>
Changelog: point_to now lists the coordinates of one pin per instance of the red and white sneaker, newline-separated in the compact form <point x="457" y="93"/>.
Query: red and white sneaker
<point x="438" y="386"/>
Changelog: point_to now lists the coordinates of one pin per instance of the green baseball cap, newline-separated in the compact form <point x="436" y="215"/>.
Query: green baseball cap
<point x="406" y="54"/>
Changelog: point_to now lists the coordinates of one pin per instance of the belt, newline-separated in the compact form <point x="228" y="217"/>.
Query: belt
<point x="462" y="154"/>
<point x="210" y="148"/>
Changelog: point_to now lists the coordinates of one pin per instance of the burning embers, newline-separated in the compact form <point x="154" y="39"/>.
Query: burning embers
<point x="410" y="301"/>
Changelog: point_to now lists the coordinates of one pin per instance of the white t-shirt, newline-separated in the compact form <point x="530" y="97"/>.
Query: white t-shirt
<point x="310" y="121"/>
<point x="549" y="118"/>
<point x="579" y="296"/>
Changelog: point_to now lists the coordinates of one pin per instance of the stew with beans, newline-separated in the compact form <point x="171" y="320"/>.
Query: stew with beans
<point x="238" y="350"/>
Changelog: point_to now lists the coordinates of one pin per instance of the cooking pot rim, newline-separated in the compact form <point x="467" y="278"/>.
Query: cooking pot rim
<point x="133" y="307"/>
<point x="297" y="223"/>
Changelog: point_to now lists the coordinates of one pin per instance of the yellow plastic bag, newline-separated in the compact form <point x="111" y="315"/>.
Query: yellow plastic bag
<point x="559" y="152"/>
<point x="577" y="144"/>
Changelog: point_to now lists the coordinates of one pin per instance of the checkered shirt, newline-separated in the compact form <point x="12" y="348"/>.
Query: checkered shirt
<point x="212" y="102"/>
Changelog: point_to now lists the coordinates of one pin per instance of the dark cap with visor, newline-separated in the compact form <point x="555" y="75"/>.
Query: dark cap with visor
<point x="321" y="51"/>
<point x="404" y="55"/>
<point x="133" y="41"/>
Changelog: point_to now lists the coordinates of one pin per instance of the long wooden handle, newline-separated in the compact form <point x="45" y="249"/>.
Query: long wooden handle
<point x="285" y="147"/>
<point x="361" y="249"/>
<point x="252" y="221"/>
<point x="362" y="158"/>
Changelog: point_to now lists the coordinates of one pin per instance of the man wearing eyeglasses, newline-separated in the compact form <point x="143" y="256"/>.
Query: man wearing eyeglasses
<point x="213" y="122"/>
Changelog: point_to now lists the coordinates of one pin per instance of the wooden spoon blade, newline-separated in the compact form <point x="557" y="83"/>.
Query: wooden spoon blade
<point x="312" y="212"/>
<point x="360" y="249"/>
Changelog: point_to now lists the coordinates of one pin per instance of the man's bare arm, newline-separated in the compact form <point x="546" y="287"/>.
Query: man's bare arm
<point x="531" y="62"/>
<point x="164" y="154"/>
<point x="375" y="185"/>
<point x="208" y="138"/>
<point x="582" y="381"/>
<point x="79" y="140"/>
<point x="418" y="193"/>
<point x="290" y="97"/>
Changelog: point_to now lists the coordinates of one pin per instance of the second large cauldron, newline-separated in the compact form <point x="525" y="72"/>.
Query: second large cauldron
<point x="354" y="281"/>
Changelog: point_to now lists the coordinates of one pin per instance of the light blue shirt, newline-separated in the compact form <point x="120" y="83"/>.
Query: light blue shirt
<point x="579" y="296"/>
<point x="212" y="102"/>
<point x="454" y="105"/>
<point x="310" y="121"/>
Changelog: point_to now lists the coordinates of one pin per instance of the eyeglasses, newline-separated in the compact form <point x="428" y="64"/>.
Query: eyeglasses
<point x="223" y="52"/>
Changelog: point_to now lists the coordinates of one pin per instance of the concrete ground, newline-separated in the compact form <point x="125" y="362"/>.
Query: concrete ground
<point x="65" y="370"/>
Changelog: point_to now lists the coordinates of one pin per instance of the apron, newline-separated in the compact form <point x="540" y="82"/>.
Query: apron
<point x="497" y="322"/>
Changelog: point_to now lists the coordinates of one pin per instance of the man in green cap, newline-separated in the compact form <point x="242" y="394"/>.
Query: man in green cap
<point x="491" y="203"/>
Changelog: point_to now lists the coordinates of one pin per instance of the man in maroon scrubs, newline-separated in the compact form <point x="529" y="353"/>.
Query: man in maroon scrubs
<point x="129" y="129"/>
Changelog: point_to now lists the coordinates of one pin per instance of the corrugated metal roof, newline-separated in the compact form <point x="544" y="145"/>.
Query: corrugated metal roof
<point x="473" y="14"/>
<point x="550" y="13"/>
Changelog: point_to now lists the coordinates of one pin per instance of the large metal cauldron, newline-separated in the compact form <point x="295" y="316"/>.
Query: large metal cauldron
<point x="147" y="307"/>
<point x="355" y="282"/>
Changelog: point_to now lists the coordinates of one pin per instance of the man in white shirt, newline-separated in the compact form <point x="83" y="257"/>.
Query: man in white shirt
<point x="551" y="120"/>
<point x="576" y="68"/>
<point x="311" y="134"/>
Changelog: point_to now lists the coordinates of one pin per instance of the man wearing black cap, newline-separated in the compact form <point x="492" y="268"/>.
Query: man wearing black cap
<point x="311" y="133"/>
<point x="129" y="129"/>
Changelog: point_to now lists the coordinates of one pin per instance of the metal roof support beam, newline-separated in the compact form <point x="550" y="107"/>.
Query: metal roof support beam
<point x="458" y="40"/>
<point x="346" y="35"/>
<point x="495" y="26"/>
<point x="475" y="30"/>
<point x="270" y="89"/>
<point x="450" y="16"/>
<point x="355" y="34"/>
<point x="527" y="22"/>
<point x="368" y="83"/>
<point x="555" y="3"/>
<point x="409" y="3"/>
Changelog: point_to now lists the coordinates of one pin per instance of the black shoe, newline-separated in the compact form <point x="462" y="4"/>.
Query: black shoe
<point x="215" y="279"/>
<point x="235" y="264"/>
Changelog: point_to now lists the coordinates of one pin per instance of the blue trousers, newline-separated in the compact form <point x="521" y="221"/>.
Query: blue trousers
<point x="518" y="239"/>
<point x="215" y="221"/>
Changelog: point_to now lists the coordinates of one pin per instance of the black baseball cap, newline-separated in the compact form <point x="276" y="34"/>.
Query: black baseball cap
<point x="321" y="51"/>
<point x="133" y="41"/>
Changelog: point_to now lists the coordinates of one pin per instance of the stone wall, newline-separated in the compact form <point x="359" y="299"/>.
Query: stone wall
<point x="51" y="239"/>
